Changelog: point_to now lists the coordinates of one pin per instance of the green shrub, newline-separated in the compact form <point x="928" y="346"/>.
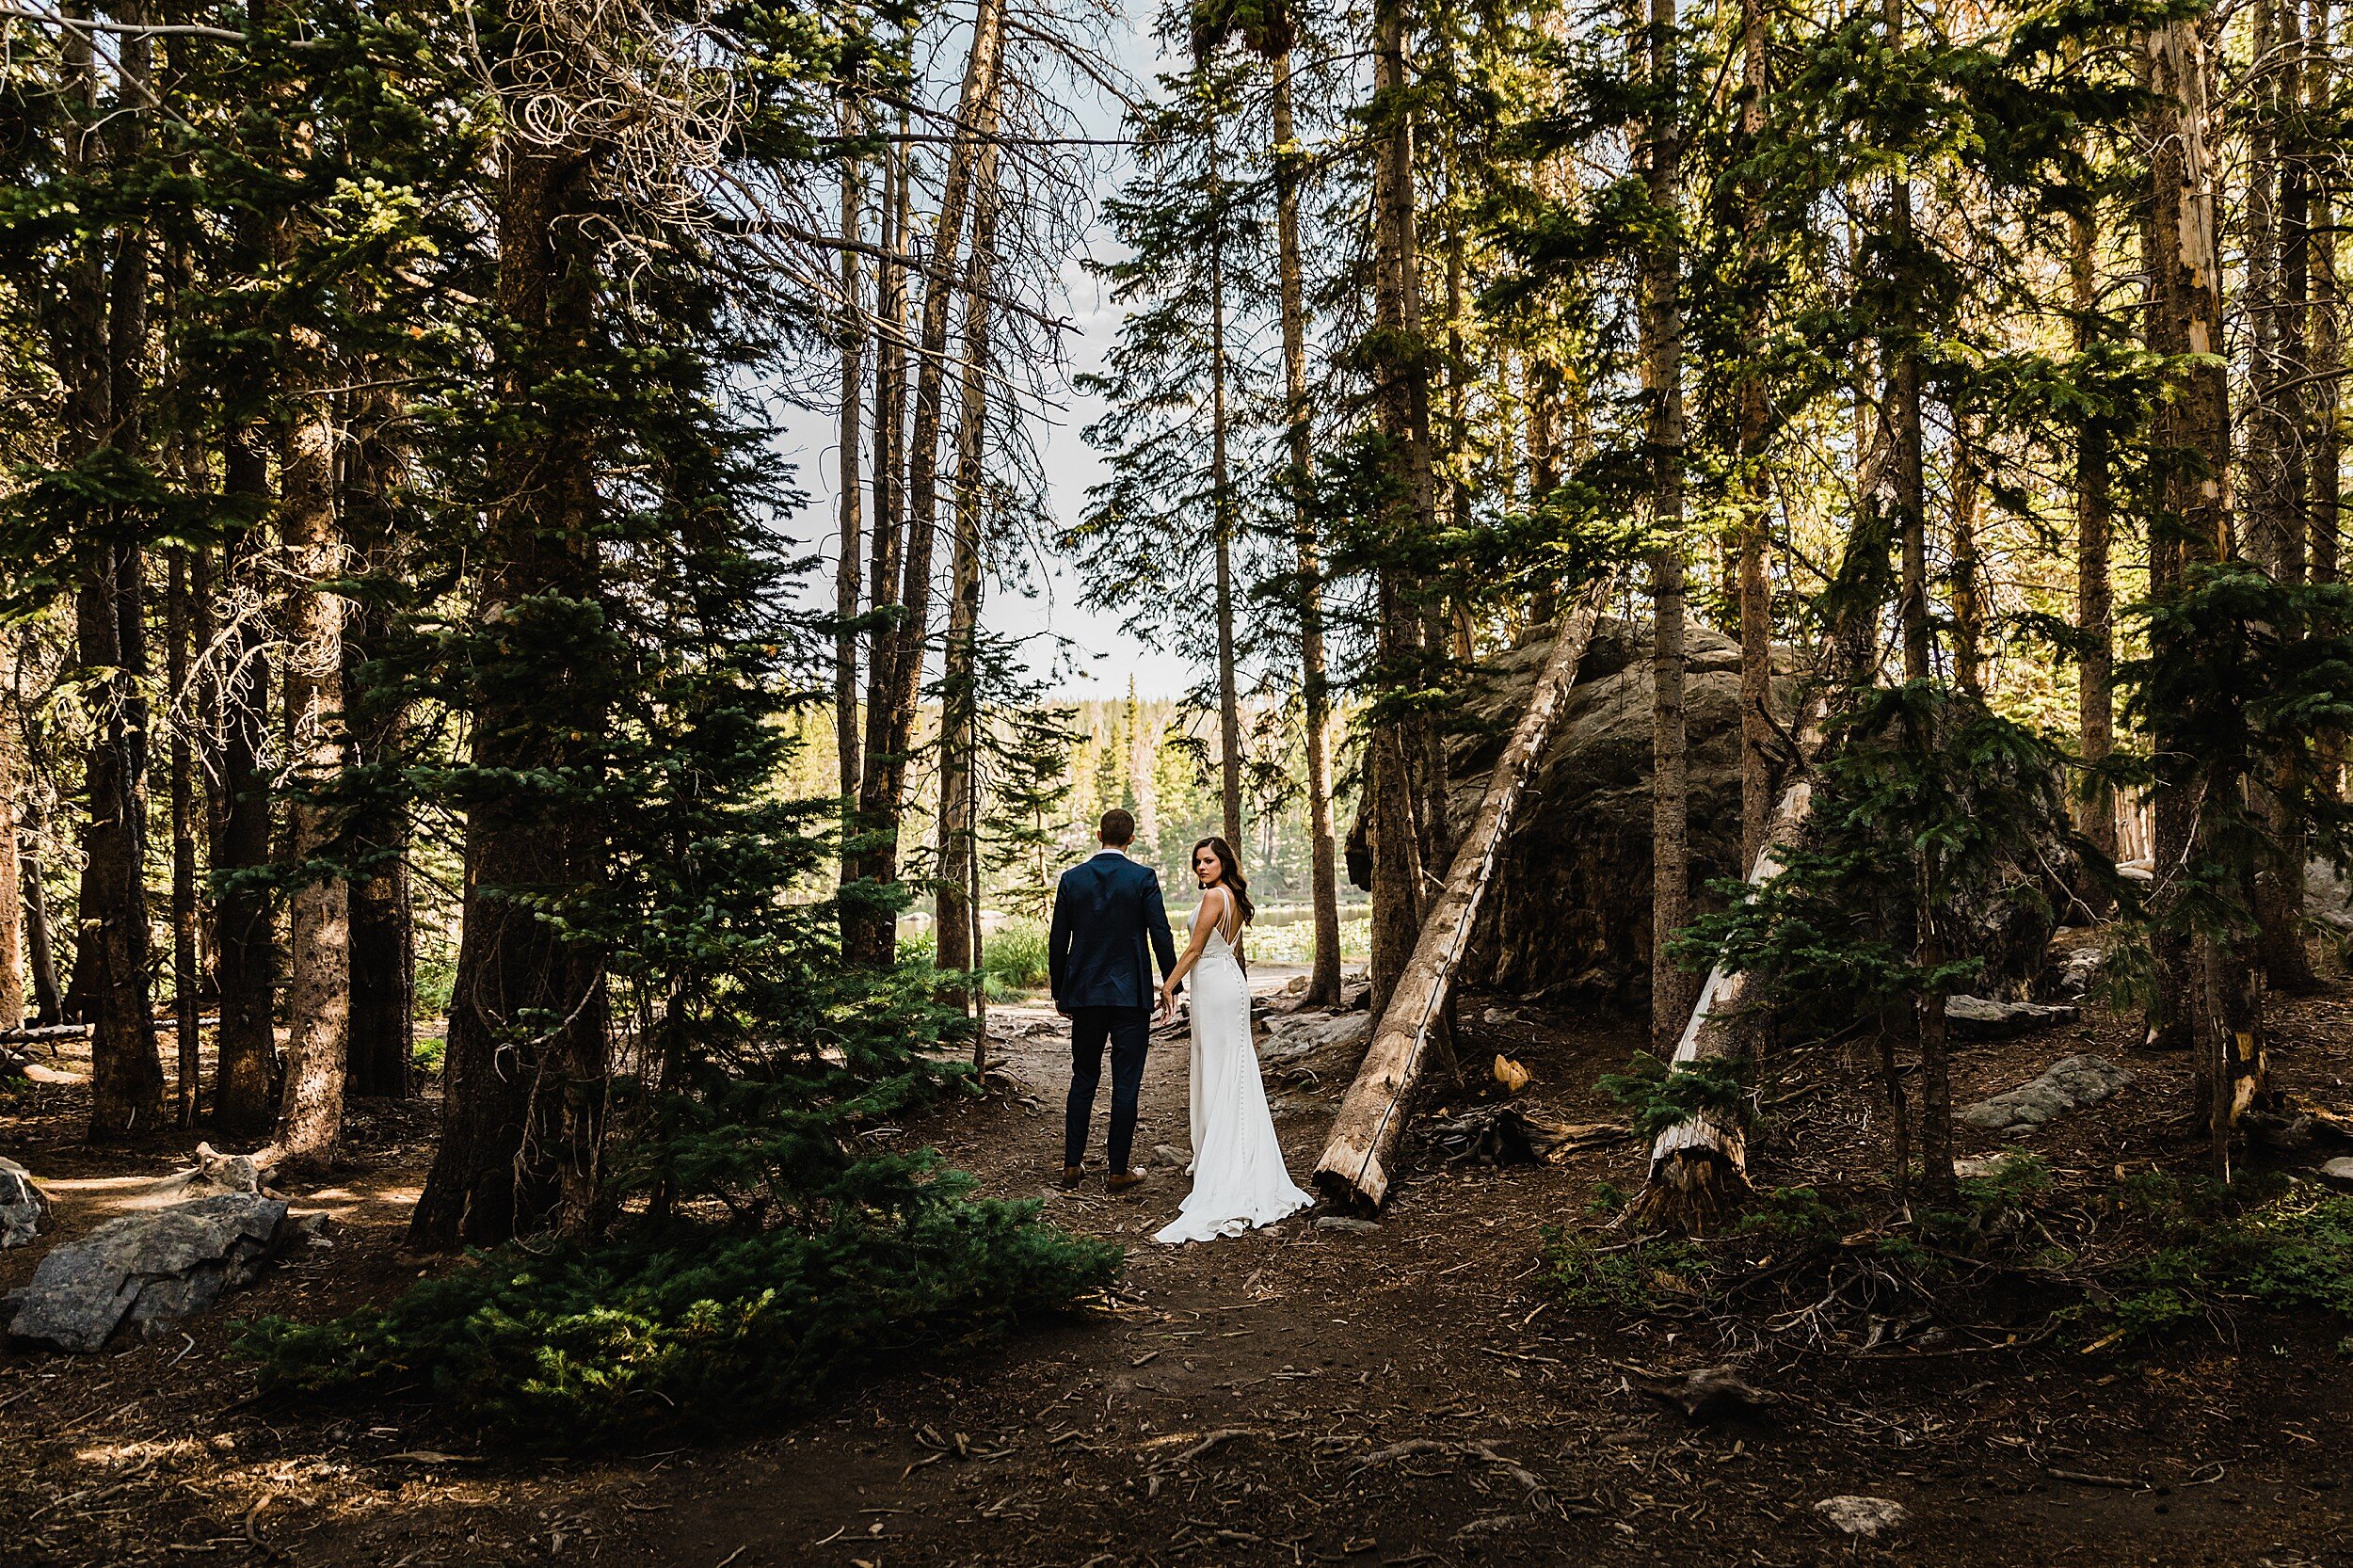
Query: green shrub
<point x="1013" y="956"/>
<point x="437" y="980"/>
<point x="426" y="1056"/>
<point x="2290" y="1251"/>
<point x="2294" y="1250"/>
<point x="1634" y="1276"/>
<point x="582" y="1346"/>
<point x="1661" y="1096"/>
<point x="1791" y="1216"/>
<point x="2145" y="1314"/>
<point x="1992" y="1208"/>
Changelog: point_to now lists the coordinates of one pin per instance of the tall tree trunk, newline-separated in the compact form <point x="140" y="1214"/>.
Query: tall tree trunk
<point x="2168" y="1014"/>
<point x="1969" y="610"/>
<point x="1315" y="692"/>
<point x="1222" y="525"/>
<point x="1402" y="409"/>
<point x="2193" y="528"/>
<point x="955" y="907"/>
<point x="1903" y="355"/>
<point x="2326" y="365"/>
<point x="318" y="972"/>
<point x="98" y="349"/>
<point x="186" y="974"/>
<point x="899" y="658"/>
<point x="1540" y="393"/>
<point x="525" y="1074"/>
<point x="2279" y="439"/>
<point x="13" y="782"/>
<point x="1931" y="1035"/>
<point x="41" y="949"/>
<point x="1753" y="414"/>
<point x="869" y="928"/>
<point x="2095" y="699"/>
<point x="383" y="927"/>
<point x="845" y="577"/>
<point x="245" y="952"/>
<point x="1663" y="433"/>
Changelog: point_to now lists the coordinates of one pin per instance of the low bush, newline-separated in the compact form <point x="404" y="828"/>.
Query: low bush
<point x="1014" y="956"/>
<point x="2291" y="1250"/>
<point x="437" y="979"/>
<point x="1636" y="1276"/>
<point x="701" y="1326"/>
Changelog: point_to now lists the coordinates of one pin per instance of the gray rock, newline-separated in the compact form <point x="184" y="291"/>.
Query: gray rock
<point x="1867" y="1517"/>
<point x="2078" y="969"/>
<point x="2339" y="1170"/>
<point x="1982" y="1019"/>
<point x="1329" y="1045"/>
<point x="1169" y="1154"/>
<point x="2072" y="1083"/>
<point x="1343" y="1221"/>
<point x="147" y="1268"/>
<point x="24" y="1206"/>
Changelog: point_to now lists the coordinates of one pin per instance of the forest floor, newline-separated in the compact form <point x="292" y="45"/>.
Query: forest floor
<point x="1409" y="1394"/>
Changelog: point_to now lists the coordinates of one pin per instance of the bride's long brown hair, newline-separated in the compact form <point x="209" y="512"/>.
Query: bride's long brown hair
<point x="1228" y="872"/>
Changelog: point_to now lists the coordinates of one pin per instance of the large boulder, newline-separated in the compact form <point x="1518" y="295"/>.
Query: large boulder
<point x="146" y="1269"/>
<point x="1568" y="915"/>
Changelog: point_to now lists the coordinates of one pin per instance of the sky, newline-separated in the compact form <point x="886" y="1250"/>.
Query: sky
<point x="1103" y="654"/>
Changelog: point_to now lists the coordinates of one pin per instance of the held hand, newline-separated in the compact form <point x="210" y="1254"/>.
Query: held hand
<point x="1168" y="1003"/>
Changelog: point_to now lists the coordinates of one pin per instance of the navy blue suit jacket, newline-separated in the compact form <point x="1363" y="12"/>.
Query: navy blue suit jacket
<point x="1109" y="924"/>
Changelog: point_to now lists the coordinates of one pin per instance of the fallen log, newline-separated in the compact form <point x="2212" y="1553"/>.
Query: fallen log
<point x="1364" y="1135"/>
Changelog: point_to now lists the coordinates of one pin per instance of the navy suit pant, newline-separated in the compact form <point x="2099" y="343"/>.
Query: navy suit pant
<point x="1129" y="1031"/>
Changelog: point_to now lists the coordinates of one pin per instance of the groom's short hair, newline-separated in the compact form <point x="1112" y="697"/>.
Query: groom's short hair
<point x="1118" y="829"/>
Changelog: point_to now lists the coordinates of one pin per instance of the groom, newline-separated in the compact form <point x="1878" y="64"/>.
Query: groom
<point x="1107" y="925"/>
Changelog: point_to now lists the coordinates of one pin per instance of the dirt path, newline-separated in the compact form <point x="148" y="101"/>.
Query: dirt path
<point x="1410" y="1394"/>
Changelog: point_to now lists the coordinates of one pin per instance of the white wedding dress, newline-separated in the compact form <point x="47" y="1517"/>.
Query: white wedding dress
<point x="1239" y="1182"/>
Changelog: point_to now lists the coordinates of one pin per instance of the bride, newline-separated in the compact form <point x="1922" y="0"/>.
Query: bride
<point x="1239" y="1182"/>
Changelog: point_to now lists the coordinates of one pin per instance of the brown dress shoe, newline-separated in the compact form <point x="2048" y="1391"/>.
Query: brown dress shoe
<point x="1124" y="1180"/>
<point x="1072" y="1175"/>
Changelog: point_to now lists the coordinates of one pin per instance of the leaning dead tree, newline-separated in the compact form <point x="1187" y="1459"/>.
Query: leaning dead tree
<point x="1355" y="1162"/>
<point x="1698" y="1168"/>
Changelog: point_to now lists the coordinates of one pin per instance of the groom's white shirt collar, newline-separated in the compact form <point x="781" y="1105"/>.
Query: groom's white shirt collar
<point x="1108" y="849"/>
